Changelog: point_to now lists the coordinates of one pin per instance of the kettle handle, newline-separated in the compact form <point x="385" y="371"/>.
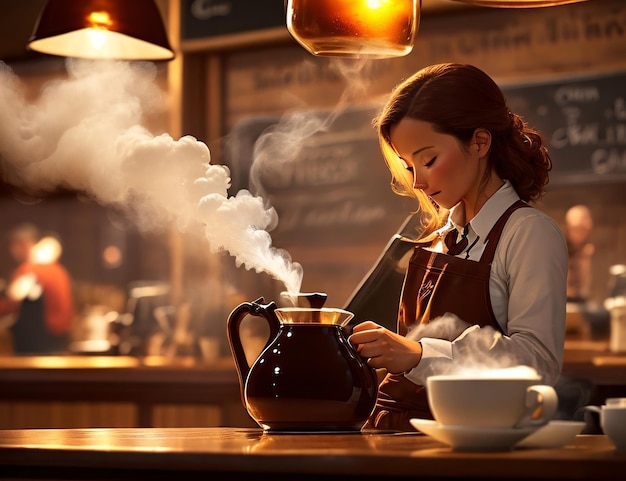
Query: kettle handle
<point x="255" y="308"/>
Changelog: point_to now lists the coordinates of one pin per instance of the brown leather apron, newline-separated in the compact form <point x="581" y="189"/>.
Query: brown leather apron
<point x="436" y="284"/>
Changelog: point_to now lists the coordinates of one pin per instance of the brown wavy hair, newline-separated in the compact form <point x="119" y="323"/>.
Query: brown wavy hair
<point x="457" y="99"/>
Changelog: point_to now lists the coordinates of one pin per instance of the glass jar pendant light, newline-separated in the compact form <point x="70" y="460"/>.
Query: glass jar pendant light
<point x="354" y="28"/>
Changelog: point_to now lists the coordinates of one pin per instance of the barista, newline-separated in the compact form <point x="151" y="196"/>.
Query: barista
<point x="487" y="279"/>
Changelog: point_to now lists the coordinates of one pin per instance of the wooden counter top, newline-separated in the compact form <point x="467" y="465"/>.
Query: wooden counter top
<point x="151" y="453"/>
<point x="113" y="368"/>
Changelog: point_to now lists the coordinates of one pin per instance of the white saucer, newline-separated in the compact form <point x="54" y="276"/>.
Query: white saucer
<point x="468" y="438"/>
<point x="555" y="434"/>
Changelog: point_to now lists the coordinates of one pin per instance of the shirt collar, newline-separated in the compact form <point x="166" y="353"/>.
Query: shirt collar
<point x="489" y="214"/>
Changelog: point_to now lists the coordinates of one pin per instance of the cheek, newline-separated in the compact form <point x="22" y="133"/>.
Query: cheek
<point x="445" y="170"/>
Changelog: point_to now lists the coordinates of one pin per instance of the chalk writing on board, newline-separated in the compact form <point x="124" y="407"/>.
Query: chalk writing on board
<point x="583" y="122"/>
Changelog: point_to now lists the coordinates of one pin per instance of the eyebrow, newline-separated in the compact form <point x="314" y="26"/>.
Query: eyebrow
<point x="413" y="154"/>
<point x="422" y="149"/>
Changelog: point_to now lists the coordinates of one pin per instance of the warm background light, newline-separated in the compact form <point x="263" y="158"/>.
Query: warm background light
<point x="46" y="251"/>
<point x="367" y="19"/>
<point x="352" y="28"/>
<point x="102" y="29"/>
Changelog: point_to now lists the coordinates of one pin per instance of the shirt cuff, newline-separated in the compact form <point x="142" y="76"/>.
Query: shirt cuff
<point x="432" y="349"/>
<point x="437" y="356"/>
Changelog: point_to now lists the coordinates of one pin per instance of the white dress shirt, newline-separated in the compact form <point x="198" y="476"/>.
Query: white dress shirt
<point x="528" y="294"/>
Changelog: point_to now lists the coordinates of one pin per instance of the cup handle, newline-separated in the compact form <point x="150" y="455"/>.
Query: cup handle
<point x="542" y="402"/>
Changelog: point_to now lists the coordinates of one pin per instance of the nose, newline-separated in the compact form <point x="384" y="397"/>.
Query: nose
<point x="419" y="181"/>
<point x="420" y="185"/>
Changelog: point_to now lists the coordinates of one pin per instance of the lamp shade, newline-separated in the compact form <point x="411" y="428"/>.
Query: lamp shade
<point x="518" y="3"/>
<point x="102" y="29"/>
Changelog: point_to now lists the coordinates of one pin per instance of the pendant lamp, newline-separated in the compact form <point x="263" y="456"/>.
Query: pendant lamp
<point x="517" y="3"/>
<point x="354" y="28"/>
<point x="101" y="29"/>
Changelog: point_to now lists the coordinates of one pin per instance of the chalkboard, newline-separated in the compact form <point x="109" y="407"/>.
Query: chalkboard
<point x="214" y="18"/>
<point x="583" y="121"/>
<point x="323" y="173"/>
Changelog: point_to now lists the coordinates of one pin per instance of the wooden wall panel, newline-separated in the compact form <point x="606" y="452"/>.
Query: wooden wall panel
<point x="25" y="415"/>
<point x="178" y="416"/>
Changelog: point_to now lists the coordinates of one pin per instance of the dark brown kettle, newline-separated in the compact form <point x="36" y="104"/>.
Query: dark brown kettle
<point x="308" y="377"/>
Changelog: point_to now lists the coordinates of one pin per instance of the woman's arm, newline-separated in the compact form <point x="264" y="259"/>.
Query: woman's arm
<point x="528" y="291"/>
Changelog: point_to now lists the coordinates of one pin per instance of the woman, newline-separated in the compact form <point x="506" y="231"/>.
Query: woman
<point x="498" y="297"/>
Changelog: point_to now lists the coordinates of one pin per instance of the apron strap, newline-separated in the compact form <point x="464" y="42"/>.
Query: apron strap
<point x="496" y="231"/>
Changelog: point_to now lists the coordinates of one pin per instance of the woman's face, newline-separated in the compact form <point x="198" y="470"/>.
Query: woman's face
<point x="439" y="164"/>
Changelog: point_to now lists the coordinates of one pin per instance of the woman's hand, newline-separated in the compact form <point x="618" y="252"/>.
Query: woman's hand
<point x="384" y="348"/>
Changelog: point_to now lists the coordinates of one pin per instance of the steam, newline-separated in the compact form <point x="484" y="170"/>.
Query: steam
<point x="475" y="349"/>
<point x="85" y="133"/>
<point x="279" y="146"/>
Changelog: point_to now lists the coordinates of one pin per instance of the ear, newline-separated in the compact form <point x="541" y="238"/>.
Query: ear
<point x="481" y="141"/>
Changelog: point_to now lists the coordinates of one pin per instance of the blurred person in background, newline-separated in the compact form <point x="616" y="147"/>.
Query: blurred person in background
<point x="38" y="303"/>
<point x="578" y="228"/>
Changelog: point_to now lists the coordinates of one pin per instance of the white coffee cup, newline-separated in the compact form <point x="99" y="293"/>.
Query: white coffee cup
<point x="613" y="423"/>
<point x="613" y="420"/>
<point x="500" y="398"/>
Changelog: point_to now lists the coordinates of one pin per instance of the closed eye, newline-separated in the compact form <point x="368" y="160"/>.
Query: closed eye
<point x="430" y="162"/>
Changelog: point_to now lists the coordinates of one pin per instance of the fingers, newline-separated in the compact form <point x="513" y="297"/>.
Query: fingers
<point x="385" y="349"/>
<point x="366" y="342"/>
<point x="369" y="335"/>
<point x="365" y="325"/>
<point x="365" y="332"/>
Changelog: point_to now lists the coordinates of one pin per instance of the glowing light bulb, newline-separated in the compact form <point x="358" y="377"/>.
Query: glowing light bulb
<point x="99" y="20"/>
<point x="98" y="31"/>
<point x="354" y="28"/>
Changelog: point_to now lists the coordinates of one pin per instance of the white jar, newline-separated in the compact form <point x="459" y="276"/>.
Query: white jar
<point x="617" y="307"/>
